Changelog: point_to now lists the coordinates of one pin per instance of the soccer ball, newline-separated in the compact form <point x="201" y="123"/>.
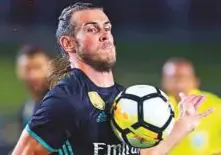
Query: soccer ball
<point x="141" y="116"/>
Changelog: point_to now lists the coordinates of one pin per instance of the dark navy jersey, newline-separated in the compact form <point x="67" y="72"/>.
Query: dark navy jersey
<point x="74" y="119"/>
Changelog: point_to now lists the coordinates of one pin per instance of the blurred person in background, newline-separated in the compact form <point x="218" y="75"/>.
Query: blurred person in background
<point x="178" y="75"/>
<point x="67" y="117"/>
<point x="32" y="66"/>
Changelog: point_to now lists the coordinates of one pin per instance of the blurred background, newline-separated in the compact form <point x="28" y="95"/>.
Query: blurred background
<point x="147" y="33"/>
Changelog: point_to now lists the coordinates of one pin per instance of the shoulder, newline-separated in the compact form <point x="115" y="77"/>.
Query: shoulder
<point x="72" y="83"/>
<point x="68" y="86"/>
<point x="211" y="97"/>
<point x="65" y="93"/>
<point x="210" y="94"/>
<point x="59" y="100"/>
<point x="213" y="101"/>
<point x="120" y="87"/>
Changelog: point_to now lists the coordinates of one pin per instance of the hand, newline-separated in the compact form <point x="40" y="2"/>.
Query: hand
<point x="189" y="118"/>
<point x="187" y="122"/>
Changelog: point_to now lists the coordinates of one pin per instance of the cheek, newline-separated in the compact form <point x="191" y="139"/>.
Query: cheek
<point x="89" y="42"/>
<point x="111" y="38"/>
<point x="170" y="84"/>
<point x="39" y="72"/>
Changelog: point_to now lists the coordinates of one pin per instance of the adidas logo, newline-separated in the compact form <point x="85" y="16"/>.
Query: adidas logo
<point x="102" y="117"/>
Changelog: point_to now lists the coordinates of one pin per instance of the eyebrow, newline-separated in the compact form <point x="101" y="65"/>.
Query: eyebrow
<point x="107" y="22"/>
<point x="95" y="23"/>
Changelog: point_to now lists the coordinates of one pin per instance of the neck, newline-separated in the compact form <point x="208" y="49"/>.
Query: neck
<point x="101" y="79"/>
<point x="36" y="97"/>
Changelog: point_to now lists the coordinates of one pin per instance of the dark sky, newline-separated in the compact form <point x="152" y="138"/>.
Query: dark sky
<point x="157" y="13"/>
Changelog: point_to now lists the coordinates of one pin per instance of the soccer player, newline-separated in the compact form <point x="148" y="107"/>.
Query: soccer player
<point x="179" y="76"/>
<point x="32" y="69"/>
<point x="74" y="116"/>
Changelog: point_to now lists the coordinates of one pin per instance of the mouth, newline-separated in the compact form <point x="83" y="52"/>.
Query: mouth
<point x="107" y="45"/>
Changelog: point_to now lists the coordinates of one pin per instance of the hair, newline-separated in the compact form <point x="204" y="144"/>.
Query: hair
<point x="31" y="51"/>
<point x="62" y="64"/>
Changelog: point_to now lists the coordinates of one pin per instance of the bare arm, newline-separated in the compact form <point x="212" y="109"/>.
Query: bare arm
<point x="46" y="131"/>
<point x="27" y="145"/>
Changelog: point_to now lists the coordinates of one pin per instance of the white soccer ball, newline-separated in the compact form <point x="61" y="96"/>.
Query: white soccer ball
<point x="141" y="116"/>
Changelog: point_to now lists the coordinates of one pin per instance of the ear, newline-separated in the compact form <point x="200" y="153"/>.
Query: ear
<point x="19" y="73"/>
<point x="68" y="43"/>
<point x="19" y="69"/>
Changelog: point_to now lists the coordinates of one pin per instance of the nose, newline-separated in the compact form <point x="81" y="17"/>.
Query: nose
<point x="103" y="37"/>
<point x="34" y="75"/>
<point x="32" y="78"/>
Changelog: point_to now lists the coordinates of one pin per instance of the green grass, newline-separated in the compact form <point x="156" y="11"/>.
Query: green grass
<point x="12" y="93"/>
<point x="137" y="63"/>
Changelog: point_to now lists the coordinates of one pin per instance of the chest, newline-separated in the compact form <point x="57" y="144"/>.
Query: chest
<point x="95" y="133"/>
<point x="94" y="117"/>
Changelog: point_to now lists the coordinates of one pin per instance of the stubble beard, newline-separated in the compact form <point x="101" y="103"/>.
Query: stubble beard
<point x="96" y="62"/>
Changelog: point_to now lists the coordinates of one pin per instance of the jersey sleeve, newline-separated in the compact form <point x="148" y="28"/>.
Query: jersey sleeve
<point x="50" y="124"/>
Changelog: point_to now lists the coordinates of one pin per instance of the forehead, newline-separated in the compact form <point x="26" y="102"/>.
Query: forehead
<point x="173" y="69"/>
<point x="37" y="59"/>
<point x="92" y="15"/>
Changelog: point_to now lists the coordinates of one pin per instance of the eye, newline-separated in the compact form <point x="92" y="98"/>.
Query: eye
<point x="91" y="30"/>
<point x="108" y="29"/>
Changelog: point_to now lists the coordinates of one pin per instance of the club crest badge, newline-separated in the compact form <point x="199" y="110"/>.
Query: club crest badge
<point x="96" y="100"/>
<point x="199" y="140"/>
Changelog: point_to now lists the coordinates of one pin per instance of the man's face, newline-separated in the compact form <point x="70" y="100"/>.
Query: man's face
<point x="179" y="78"/>
<point x="33" y="71"/>
<point x="94" y="38"/>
